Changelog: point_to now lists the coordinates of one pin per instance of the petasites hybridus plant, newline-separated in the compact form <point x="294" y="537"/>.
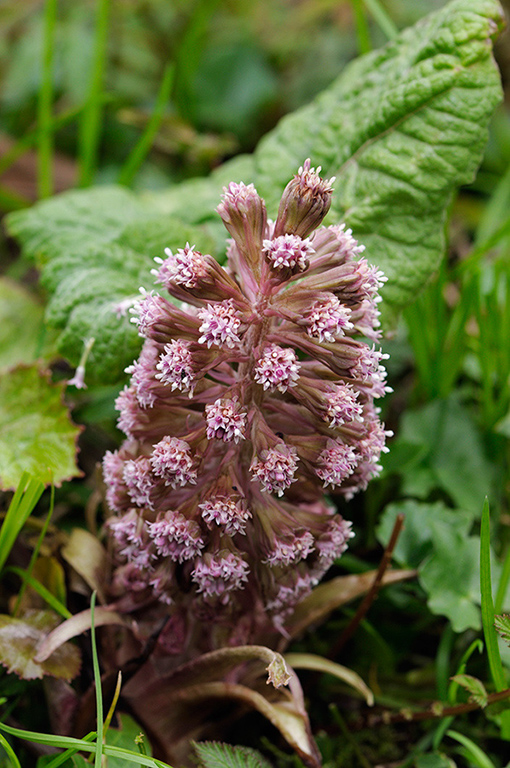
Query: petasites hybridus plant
<point x="248" y="400"/>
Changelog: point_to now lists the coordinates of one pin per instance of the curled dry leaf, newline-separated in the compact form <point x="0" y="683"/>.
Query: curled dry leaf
<point x="175" y="707"/>
<point x="87" y="556"/>
<point x="20" y="640"/>
<point x="320" y="664"/>
<point x="73" y="627"/>
<point x="332" y="594"/>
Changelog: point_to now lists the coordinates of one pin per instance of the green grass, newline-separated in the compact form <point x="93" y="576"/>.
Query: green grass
<point x="498" y="673"/>
<point x="45" y="104"/>
<point x="22" y="505"/>
<point x="141" y="150"/>
<point x="91" y="120"/>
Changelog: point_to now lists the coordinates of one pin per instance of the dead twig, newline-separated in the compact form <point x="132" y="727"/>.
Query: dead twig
<point x="372" y="592"/>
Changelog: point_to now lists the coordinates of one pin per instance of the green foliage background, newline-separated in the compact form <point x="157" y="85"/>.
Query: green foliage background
<point x="255" y="89"/>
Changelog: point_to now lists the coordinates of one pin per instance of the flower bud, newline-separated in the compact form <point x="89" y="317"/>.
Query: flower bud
<point x="305" y="202"/>
<point x="244" y="215"/>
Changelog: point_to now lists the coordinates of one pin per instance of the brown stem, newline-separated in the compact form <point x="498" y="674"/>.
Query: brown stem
<point x="436" y="710"/>
<point x="372" y="592"/>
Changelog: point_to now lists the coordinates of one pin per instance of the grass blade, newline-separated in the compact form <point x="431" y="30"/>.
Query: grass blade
<point x="9" y="752"/>
<point x="503" y="584"/>
<point x="452" y="692"/>
<point x="10" y="201"/>
<point x="382" y="19"/>
<point x="99" y="690"/>
<point x="84" y="745"/>
<point x="479" y="251"/>
<point x="44" y="104"/>
<point x="472" y="751"/>
<point x="491" y="638"/>
<point x="35" y="555"/>
<point x="49" y="739"/>
<point x="443" y="659"/>
<point x="21" y="507"/>
<point x="115" y="700"/>
<point x="60" y="759"/>
<point x="141" y="150"/>
<point x="31" y="137"/>
<point x="41" y="590"/>
<point x="90" y="128"/>
<point x="362" y="30"/>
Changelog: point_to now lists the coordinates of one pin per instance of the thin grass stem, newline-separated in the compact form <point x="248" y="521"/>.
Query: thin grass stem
<point x="362" y="29"/>
<point x="90" y="128"/>
<point x="443" y="658"/>
<point x="473" y="751"/>
<point x="9" y="752"/>
<point x="337" y="717"/>
<point x="41" y="590"/>
<point x="115" y="699"/>
<point x="99" y="690"/>
<point x="35" y="554"/>
<point x="84" y="745"/>
<point x="503" y="584"/>
<point x="382" y="18"/>
<point x="452" y="692"/>
<point x="491" y="641"/>
<point x="64" y="756"/>
<point x="44" y="104"/>
<point x="11" y="201"/>
<point x="21" y="507"/>
<point x="481" y="250"/>
<point x="141" y="150"/>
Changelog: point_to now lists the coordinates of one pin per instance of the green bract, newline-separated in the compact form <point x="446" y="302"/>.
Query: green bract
<point x="401" y="129"/>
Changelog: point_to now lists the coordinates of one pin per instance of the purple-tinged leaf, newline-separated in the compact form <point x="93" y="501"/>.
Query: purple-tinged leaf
<point x="20" y="639"/>
<point x="85" y="553"/>
<point x="73" y="627"/>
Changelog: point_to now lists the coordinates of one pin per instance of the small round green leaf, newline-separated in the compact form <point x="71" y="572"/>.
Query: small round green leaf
<point x="36" y="432"/>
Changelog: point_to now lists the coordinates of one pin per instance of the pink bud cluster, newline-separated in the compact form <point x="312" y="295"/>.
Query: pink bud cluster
<point x="254" y="392"/>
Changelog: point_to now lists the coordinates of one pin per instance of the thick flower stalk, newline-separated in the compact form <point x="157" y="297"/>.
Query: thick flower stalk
<point x="253" y="393"/>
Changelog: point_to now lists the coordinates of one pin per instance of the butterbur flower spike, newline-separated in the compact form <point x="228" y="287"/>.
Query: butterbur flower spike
<point x="254" y="392"/>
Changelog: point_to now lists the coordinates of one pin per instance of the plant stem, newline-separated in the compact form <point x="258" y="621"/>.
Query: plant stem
<point x="407" y="716"/>
<point x="139" y="153"/>
<point x="372" y="593"/>
<point x="44" y="103"/>
<point x="90" y="128"/>
<point x="362" y="30"/>
<point x="382" y="18"/>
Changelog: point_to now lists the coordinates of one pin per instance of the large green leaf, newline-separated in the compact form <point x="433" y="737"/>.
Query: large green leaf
<point x="451" y="576"/>
<point x="401" y="129"/>
<point x="415" y="541"/>
<point x="36" y="433"/>
<point x="96" y="248"/>
<point x="453" y="456"/>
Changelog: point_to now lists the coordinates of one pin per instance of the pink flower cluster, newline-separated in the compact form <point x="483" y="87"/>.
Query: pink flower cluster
<point x="254" y="392"/>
